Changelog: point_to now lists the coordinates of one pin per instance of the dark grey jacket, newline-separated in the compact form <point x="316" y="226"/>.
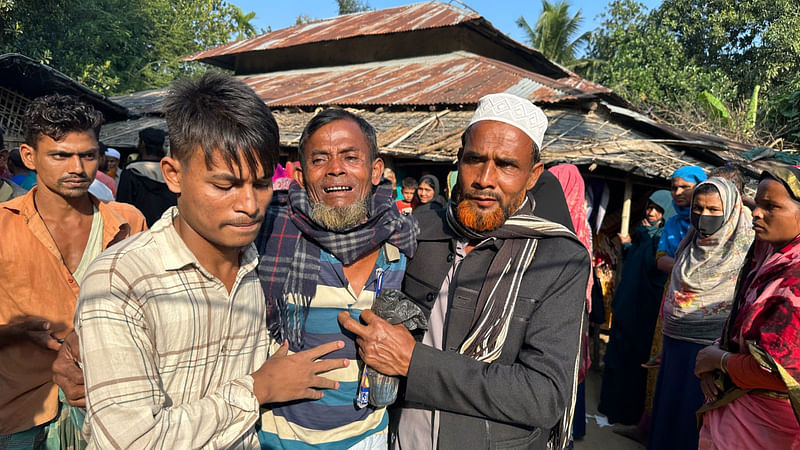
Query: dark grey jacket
<point x="514" y="401"/>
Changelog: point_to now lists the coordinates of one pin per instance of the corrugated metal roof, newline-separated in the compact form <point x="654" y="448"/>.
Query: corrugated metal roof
<point x="454" y="79"/>
<point x="418" y="16"/>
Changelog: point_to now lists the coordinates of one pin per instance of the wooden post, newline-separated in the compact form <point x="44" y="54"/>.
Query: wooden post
<point x="626" y="209"/>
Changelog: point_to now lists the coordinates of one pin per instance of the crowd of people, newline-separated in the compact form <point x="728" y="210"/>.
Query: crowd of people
<point x="210" y="297"/>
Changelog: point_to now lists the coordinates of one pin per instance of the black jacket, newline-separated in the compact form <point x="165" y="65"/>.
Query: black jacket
<point x="514" y="401"/>
<point x="142" y="185"/>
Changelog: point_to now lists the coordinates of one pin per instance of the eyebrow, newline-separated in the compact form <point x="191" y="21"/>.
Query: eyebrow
<point x="234" y="179"/>
<point x="61" y="152"/>
<point x="319" y="151"/>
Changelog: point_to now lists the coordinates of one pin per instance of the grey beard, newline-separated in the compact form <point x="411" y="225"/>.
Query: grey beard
<point x="339" y="218"/>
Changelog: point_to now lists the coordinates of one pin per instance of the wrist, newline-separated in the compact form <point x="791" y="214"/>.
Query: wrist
<point x="723" y="361"/>
<point x="260" y="388"/>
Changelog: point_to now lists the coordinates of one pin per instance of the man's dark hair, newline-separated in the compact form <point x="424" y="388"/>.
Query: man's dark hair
<point x="332" y="115"/>
<point x="220" y="114"/>
<point x="410" y="183"/>
<point x="731" y="173"/>
<point x="153" y="141"/>
<point x="56" y="115"/>
<point x="534" y="149"/>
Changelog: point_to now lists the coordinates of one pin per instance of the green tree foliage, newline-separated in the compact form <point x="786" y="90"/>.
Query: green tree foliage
<point x="117" y="46"/>
<point x="755" y="42"/>
<point x="554" y="33"/>
<point x="352" y="6"/>
<point x="644" y="62"/>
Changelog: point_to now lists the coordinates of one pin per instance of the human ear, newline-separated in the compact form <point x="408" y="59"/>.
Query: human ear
<point x="26" y="153"/>
<point x="536" y="172"/>
<point x="173" y="172"/>
<point x="298" y="176"/>
<point x="377" y="171"/>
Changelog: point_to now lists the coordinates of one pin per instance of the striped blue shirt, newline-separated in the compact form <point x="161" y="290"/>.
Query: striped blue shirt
<point x="333" y="422"/>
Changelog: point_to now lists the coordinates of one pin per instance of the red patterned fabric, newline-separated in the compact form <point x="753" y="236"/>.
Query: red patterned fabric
<point x="770" y="310"/>
<point x="574" y="191"/>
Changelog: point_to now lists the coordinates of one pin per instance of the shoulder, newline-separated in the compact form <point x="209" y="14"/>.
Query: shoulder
<point x="138" y="250"/>
<point x="562" y="249"/>
<point x="130" y="214"/>
<point x="558" y="262"/>
<point x="120" y="269"/>
<point x="15" y="205"/>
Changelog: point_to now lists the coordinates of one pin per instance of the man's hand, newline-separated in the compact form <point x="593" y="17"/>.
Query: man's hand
<point x="384" y="347"/>
<point x="30" y="329"/>
<point x="285" y="377"/>
<point x="67" y="373"/>
<point x="624" y="238"/>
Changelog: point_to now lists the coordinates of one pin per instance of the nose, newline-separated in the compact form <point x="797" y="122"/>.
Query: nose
<point x="487" y="177"/>
<point x="758" y="213"/>
<point x="335" y="167"/>
<point x="76" y="165"/>
<point x="246" y="202"/>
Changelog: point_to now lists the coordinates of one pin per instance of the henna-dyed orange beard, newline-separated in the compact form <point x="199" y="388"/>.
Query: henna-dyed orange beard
<point x="480" y="219"/>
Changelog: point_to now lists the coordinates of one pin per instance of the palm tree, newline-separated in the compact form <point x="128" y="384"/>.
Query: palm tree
<point x="244" y="28"/>
<point x="554" y="30"/>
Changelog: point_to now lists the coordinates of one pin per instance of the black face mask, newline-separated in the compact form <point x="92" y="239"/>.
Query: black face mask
<point x="705" y="224"/>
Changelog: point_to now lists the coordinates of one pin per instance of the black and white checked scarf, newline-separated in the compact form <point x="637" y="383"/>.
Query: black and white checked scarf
<point x="290" y="257"/>
<point x="520" y="234"/>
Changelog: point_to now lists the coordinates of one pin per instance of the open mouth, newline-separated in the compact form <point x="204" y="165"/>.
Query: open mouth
<point x="333" y="189"/>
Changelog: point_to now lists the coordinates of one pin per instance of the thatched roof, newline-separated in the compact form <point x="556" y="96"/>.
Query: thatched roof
<point x="575" y="136"/>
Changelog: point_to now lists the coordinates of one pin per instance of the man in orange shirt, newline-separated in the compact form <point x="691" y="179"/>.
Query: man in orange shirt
<point x="50" y="235"/>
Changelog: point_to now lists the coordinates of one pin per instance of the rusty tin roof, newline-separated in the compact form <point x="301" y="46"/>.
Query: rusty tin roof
<point x="455" y="78"/>
<point x="418" y="16"/>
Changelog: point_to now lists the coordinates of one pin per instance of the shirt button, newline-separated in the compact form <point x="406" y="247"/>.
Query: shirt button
<point x="224" y="348"/>
<point x="431" y="296"/>
<point x="450" y="257"/>
<point x="71" y="280"/>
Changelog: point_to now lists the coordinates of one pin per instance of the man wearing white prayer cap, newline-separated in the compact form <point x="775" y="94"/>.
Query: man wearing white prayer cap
<point x="504" y="292"/>
<point x="112" y="163"/>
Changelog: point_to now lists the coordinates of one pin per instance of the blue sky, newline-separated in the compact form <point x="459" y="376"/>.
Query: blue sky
<point x="502" y="14"/>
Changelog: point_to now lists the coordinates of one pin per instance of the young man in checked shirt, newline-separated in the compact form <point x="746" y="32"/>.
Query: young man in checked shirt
<point x="172" y="323"/>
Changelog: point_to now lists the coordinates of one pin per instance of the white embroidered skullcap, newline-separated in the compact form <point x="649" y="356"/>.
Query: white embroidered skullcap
<point x="113" y="153"/>
<point x="515" y="111"/>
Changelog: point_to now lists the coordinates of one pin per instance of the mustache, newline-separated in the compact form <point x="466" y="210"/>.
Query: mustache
<point x="483" y="193"/>
<point x="71" y="178"/>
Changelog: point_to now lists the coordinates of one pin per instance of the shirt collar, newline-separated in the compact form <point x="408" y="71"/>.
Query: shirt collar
<point x="113" y="223"/>
<point x="176" y="255"/>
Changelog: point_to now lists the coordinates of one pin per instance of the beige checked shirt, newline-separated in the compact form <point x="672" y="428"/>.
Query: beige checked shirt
<point x="167" y="352"/>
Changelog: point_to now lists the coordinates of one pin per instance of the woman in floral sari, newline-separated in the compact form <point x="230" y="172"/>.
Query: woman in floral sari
<point x="750" y="378"/>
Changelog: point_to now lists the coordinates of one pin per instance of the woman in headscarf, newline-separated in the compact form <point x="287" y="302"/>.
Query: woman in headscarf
<point x="755" y="401"/>
<point x="683" y="182"/>
<point x="636" y="303"/>
<point x="428" y="196"/>
<point x="574" y="192"/>
<point x="697" y="302"/>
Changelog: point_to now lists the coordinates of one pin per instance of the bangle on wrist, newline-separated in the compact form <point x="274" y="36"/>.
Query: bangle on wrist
<point x="723" y="361"/>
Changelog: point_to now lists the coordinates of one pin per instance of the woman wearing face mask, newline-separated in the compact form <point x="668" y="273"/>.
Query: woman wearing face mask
<point x="683" y="182"/>
<point x="696" y="304"/>
<point x="637" y="300"/>
<point x="755" y="402"/>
